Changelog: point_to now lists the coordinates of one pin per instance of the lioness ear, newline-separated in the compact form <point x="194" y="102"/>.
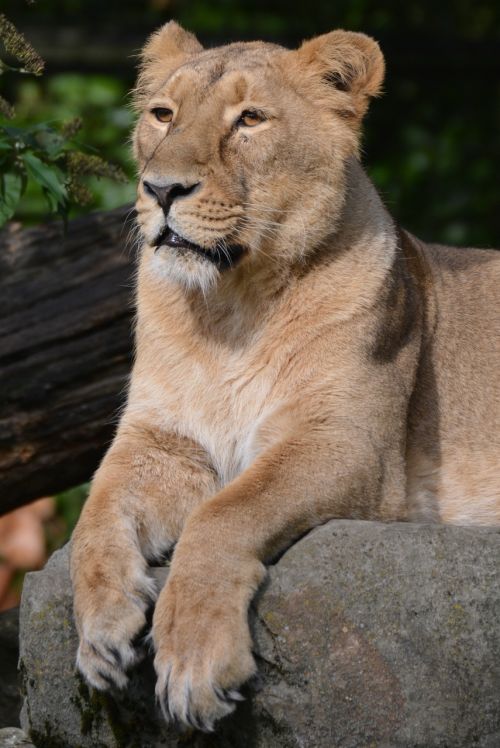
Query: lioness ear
<point x="349" y="62"/>
<point x="165" y="50"/>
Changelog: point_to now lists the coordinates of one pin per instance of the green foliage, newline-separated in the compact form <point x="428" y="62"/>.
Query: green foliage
<point x="45" y="154"/>
<point x="104" y="123"/>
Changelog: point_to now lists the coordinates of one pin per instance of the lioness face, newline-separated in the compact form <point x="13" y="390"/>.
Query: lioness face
<point x="242" y="149"/>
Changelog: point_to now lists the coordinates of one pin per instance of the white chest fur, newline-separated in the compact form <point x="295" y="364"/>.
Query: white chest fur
<point x="216" y="397"/>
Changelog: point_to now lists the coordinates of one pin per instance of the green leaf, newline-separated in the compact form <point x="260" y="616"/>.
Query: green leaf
<point x="48" y="140"/>
<point x="19" y="136"/>
<point x="5" y="146"/>
<point x="51" y="179"/>
<point x="11" y="189"/>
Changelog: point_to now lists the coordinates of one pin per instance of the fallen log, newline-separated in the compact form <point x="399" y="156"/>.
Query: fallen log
<point x="65" y="350"/>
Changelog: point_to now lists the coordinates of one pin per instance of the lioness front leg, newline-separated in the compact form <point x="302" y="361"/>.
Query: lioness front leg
<point x="145" y="488"/>
<point x="200" y="627"/>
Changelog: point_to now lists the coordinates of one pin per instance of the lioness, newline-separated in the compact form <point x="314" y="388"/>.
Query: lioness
<point x="299" y="358"/>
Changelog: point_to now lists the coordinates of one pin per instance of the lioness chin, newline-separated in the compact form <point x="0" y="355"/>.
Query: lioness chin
<point x="299" y="358"/>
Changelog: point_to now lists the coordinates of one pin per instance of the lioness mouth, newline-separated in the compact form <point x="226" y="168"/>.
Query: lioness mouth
<point x="222" y="255"/>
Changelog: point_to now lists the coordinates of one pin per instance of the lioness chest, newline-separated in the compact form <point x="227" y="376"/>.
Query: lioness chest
<point x="216" y="397"/>
<point x="235" y="395"/>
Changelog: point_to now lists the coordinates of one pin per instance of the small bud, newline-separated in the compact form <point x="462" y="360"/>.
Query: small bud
<point x="83" y="165"/>
<point x="71" y="128"/>
<point x="78" y="193"/>
<point x="16" y="45"/>
<point x="6" y="110"/>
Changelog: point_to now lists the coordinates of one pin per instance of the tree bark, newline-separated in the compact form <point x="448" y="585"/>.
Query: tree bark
<point x="65" y="351"/>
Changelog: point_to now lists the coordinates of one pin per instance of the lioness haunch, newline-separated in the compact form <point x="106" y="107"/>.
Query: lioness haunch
<point x="299" y="358"/>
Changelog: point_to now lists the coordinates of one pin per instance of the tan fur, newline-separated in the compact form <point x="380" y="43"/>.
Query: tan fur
<point x="341" y="368"/>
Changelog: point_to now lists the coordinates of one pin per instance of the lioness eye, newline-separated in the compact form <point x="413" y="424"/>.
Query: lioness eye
<point x="250" y="119"/>
<point x="162" y="114"/>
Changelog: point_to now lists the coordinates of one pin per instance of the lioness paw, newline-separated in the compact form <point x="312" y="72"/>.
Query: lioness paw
<point x="106" y="650"/>
<point x="203" y="654"/>
<point x="111" y="618"/>
<point x="192" y="701"/>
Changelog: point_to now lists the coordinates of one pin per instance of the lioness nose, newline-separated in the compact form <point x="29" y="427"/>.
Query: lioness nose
<point x="166" y="194"/>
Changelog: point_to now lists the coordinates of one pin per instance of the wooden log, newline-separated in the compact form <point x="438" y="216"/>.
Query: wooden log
<point x="65" y="350"/>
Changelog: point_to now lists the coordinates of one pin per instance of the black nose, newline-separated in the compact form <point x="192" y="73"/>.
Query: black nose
<point x="165" y="195"/>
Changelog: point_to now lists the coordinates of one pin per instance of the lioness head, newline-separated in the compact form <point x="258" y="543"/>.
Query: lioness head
<point x="242" y="149"/>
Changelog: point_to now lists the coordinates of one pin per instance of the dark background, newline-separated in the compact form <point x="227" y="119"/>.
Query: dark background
<point x="432" y="143"/>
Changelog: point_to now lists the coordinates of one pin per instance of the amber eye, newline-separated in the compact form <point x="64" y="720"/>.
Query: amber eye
<point x="162" y="114"/>
<point x="250" y="119"/>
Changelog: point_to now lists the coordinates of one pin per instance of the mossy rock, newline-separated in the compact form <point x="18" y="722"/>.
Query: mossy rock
<point x="367" y="634"/>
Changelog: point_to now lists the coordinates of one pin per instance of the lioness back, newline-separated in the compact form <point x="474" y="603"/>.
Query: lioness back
<point x="454" y="436"/>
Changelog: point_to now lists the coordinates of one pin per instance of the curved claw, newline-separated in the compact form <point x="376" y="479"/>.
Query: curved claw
<point x="186" y="714"/>
<point x="228" y="694"/>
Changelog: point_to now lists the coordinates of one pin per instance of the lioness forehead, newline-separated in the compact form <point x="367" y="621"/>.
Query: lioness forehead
<point x="238" y="55"/>
<point x="210" y="66"/>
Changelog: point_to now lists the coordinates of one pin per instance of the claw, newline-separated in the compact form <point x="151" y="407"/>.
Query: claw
<point x="111" y="682"/>
<point x="117" y="657"/>
<point x="228" y="694"/>
<point x="162" y="697"/>
<point x="235" y="695"/>
<point x="193" y="720"/>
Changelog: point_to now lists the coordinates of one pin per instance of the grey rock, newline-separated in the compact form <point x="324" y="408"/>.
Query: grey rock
<point x="366" y="634"/>
<point x="10" y="695"/>
<point x="13" y="737"/>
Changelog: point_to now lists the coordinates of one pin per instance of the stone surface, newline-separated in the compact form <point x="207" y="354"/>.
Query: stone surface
<point x="13" y="737"/>
<point x="10" y="696"/>
<point x="366" y="635"/>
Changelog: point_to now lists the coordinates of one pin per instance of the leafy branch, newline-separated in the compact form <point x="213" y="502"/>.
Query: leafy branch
<point x="44" y="154"/>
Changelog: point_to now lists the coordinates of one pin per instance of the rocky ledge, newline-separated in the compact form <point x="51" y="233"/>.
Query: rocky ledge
<point x="366" y="634"/>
